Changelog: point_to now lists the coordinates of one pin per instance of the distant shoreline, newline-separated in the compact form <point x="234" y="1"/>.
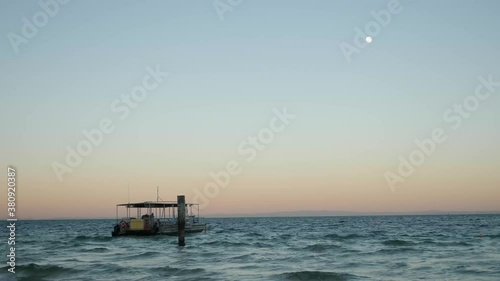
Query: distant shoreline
<point x="304" y="214"/>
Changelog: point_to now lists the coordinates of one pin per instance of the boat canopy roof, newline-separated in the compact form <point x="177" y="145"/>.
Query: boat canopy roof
<point x="153" y="204"/>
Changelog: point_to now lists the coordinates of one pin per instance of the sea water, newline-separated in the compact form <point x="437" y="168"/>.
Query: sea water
<point x="452" y="247"/>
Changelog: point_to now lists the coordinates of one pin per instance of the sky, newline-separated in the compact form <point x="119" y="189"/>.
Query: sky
<point x="231" y="66"/>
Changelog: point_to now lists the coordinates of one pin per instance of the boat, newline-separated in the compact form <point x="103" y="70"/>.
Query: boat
<point x="155" y="218"/>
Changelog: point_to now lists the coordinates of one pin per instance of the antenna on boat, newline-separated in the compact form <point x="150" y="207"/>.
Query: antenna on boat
<point x="128" y="191"/>
<point x="158" y="198"/>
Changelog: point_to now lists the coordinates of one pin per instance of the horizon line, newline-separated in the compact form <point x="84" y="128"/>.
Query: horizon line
<point x="292" y="214"/>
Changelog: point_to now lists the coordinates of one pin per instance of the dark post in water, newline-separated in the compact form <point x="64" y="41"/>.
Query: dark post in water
<point x="181" y="218"/>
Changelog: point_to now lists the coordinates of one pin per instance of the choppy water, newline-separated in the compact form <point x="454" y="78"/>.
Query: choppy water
<point x="313" y="248"/>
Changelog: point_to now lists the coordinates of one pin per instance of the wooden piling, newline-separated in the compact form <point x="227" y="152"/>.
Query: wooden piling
<point x="181" y="218"/>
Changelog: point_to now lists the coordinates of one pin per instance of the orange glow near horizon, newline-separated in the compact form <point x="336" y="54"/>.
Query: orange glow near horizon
<point x="250" y="194"/>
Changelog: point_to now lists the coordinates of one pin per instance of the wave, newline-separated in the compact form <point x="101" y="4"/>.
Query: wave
<point x="343" y="237"/>
<point x="34" y="271"/>
<point x="227" y="244"/>
<point x="93" y="238"/>
<point x="262" y="245"/>
<point x="149" y="254"/>
<point x="427" y="241"/>
<point x="96" y="250"/>
<point x="318" y="275"/>
<point x="285" y="236"/>
<point x="176" y="271"/>
<point x="112" y="267"/>
<point x="396" y="242"/>
<point x="401" y="264"/>
<point x="453" y="243"/>
<point x="320" y="247"/>
<point x="242" y="257"/>
<point x="254" y="234"/>
<point x="396" y="250"/>
<point x="444" y="243"/>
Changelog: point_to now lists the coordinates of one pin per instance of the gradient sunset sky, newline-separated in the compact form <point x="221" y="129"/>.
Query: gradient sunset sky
<point x="353" y="120"/>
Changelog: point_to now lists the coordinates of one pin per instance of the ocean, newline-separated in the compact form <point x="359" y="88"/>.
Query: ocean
<point x="448" y="247"/>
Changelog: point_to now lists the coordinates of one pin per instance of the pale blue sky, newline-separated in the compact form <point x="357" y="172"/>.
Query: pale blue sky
<point x="227" y="76"/>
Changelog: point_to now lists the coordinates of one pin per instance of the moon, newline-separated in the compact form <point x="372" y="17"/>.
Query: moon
<point x="369" y="39"/>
